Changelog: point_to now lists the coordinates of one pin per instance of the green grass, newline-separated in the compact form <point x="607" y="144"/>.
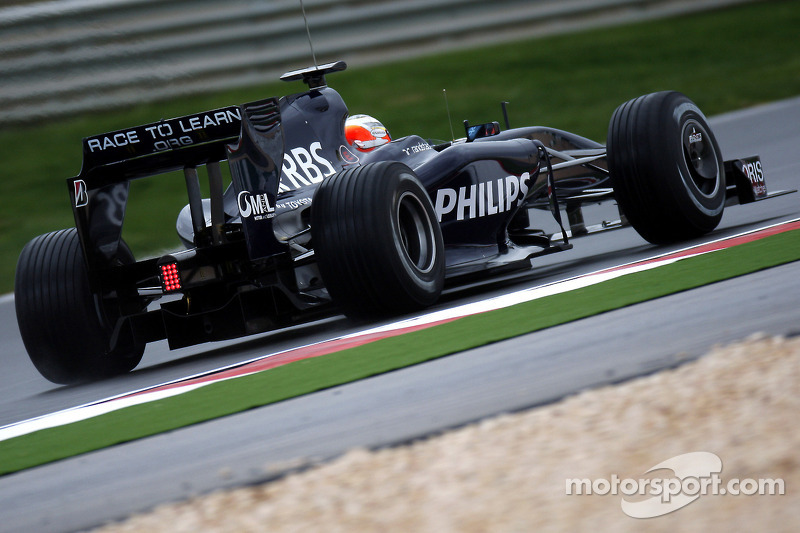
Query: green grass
<point x="724" y="60"/>
<point x="306" y="376"/>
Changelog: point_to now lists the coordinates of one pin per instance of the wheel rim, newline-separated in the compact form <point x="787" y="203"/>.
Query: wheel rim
<point x="417" y="238"/>
<point x="701" y="158"/>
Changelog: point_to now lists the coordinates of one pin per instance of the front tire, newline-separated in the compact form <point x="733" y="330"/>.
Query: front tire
<point x="377" y="241"/>
<point x="666" y="167"/>
<point x="66" y="330"/>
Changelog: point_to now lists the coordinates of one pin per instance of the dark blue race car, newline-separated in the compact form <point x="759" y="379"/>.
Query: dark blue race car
<point x="310" y="226"/>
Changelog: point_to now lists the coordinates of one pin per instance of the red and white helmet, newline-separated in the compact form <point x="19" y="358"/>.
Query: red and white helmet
<point x="365" y="133"/>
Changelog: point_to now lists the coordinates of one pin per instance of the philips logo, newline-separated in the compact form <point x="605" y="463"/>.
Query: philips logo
<point x="481" y="199"/>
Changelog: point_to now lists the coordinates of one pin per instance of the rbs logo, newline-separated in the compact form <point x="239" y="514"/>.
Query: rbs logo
<point x="302" y="167"/>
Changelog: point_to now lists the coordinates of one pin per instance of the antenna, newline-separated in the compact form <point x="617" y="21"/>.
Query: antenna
<point x="308" y="31"/>
<point x="449" y="119"/>
<point x="505" y="114"/>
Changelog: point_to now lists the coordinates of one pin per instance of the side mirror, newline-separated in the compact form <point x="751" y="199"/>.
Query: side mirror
<point x="481" y="130"/>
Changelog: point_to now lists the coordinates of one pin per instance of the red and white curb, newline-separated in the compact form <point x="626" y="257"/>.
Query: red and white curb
<point x="266" y="362"/>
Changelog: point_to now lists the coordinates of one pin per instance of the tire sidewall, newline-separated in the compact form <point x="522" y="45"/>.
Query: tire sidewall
<point x="419" y="281"/>
<point x="685" y="115"/>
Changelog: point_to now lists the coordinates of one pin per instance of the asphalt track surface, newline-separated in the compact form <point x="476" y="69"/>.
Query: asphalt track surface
<point x="399" y="406"/>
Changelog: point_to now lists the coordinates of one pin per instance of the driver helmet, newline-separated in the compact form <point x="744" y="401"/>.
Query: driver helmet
<point x="365" y="133"/>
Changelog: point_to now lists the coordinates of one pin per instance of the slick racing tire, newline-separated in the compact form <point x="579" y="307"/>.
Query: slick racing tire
<point x="666" y="167"/>
<point x="377" y="242"/>
<point x="66" y="330"/>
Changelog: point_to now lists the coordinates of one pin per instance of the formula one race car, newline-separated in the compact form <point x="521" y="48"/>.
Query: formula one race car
<point x="311" y="226"/>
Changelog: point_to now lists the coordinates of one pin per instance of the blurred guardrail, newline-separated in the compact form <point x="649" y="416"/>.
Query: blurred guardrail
<point x="67" y="56"/>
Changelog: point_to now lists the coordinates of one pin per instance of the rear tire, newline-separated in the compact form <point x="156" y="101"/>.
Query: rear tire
<point x="666" y="167"/>
<point x="65" y="328"/>
<point x="377" y="241"/>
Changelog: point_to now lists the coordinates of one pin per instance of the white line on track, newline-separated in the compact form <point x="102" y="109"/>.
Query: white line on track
<point x="190" y="383"/>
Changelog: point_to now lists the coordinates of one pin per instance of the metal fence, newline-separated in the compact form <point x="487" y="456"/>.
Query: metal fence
<point x="68" y="56"/>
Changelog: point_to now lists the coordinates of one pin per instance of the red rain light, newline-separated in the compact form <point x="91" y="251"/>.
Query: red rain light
<point x="170" y="279"/>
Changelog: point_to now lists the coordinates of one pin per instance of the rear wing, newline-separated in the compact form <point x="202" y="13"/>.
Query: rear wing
<point x="99" y="194"/>
<point x="159" y="147"/>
